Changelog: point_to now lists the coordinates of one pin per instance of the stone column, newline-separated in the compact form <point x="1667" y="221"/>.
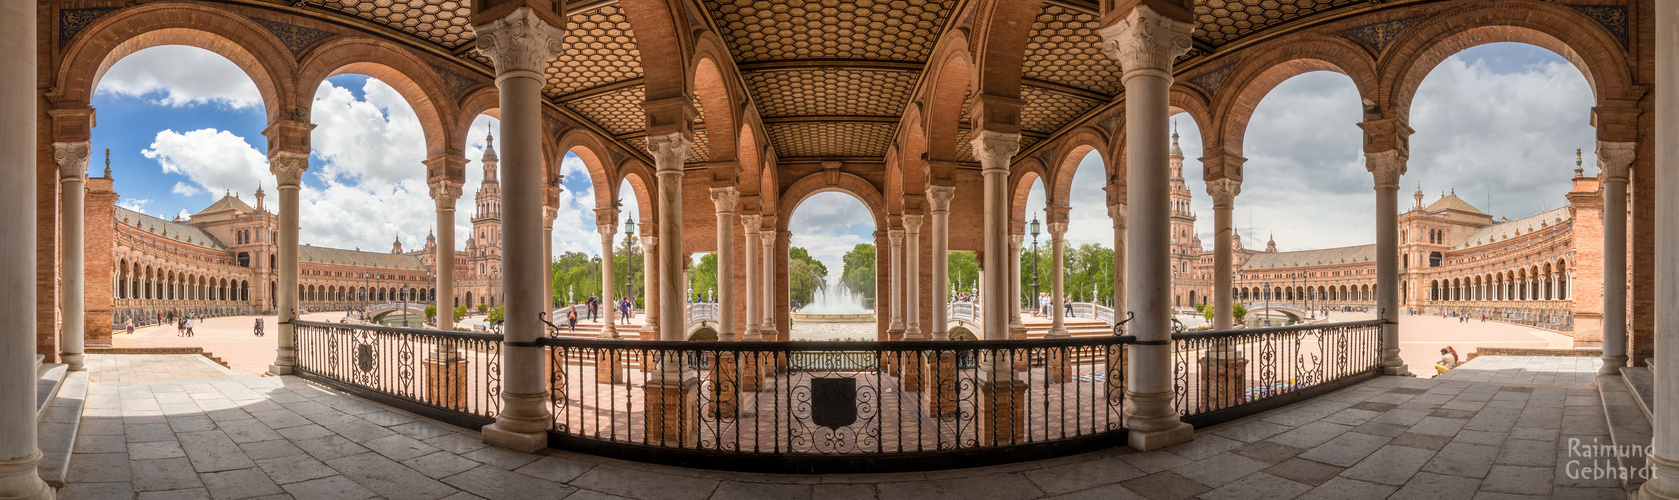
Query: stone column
<point x="1224" y="193"/>
<point x="520" y="44"/>
<point x="1387" y="167"/>
<point x="1057" y="278"/>
<point x="288" y="168"/>
<point x="72" y="173"/>
<point x="608" y="300"/>
<point x="650" y="285"/>
<point x="669" y="151"/>
<point x="1017" y="329"/>
<point x="754" y="283"/>
<point x="1145" y="42"/>
<point x="445" y="368"/>
<point x="724" y="199"/>
<point x="1117" y="213"/>
<point x="768" y="329"/>
<point x="940" y="197"/>
<point x="994" y="151"/>
<point x="548" y="215"/>
<point x="912" y="278"/>
<point x="895" y="329"/>
<point x="1613" y="158"/>
<point x="19" y="453"/>
<point x="1664" y="454"/>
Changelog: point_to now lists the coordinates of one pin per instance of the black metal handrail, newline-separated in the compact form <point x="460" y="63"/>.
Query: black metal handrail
<point x="1227" y="374"/>
<point x="450" y="375"/>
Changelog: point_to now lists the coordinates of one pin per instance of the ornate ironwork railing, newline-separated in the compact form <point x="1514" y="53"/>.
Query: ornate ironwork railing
<point x="458" y="373"/>
<point x="836" y="406"/>
<point x="1223" y="375"/>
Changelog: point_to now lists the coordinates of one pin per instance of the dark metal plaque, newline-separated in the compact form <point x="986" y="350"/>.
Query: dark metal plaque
<point x="833" y="401"/>
<point x="364" y="357"/>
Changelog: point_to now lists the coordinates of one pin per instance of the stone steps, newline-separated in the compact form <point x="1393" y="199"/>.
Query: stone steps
<point x="57" y="428"/>
<point x="1643" y="384"/>
<point x="49" y="378"/>
<point x="1629" y="424"/>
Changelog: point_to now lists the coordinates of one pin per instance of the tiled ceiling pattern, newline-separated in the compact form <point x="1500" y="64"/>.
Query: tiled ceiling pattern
<point x="444" y="22"/>
<point x="619" y="112"/>
<point x="700" y="150"/>
<point x="600" y="49"/>
<point x="1046" y="110"/>
<point x="1066" y="49"/>
<point x="831" y="139"/>
<point x="766" y="30"/>
<point x="964" y="149"/>
<point x="831" y="91"/>
<point x="1223" y="21"/>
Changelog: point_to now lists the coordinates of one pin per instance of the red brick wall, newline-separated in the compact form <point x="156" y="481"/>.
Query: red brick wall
<point x="97" y="244"/>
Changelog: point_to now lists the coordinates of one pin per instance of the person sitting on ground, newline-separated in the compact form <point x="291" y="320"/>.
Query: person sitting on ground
<point x="1448" y="360"/>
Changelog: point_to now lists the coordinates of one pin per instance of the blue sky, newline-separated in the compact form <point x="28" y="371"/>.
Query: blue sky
<point x="1496" y="123"/>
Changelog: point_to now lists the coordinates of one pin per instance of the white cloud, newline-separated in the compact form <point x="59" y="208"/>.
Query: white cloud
<point x="135" y="204"/>
<point x="177" y="75"/>
<point x="375" y="141"/>
<point x="184" y="189"/>
<point x="183" y="215"/>
<point x="830" y="224"/>
<point x="214" y="160"/>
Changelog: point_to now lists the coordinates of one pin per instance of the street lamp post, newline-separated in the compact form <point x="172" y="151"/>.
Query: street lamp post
<point x="1267" y="304"/>
<point x="366" y="281"/>
<point x="405" y="305"/>
<point x="1036" y="307"/>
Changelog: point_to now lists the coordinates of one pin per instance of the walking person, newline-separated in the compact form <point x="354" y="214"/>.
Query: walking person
<point x="181" y="328"/>
<point x="625" y="308"/>
<point x="571" y="318"/>
<point x="592" y="304"/>
<point x="189" y="325"/>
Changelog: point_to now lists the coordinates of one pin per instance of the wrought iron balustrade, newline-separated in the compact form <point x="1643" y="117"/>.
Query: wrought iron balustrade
<point x="1223" y="375"/>
<point x="453" y="376"/>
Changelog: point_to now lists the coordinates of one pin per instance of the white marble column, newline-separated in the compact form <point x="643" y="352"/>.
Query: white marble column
<point x="1117" y="214"/>
<point x="548" y="215"/>
<point x="1224" y="193"/>
<point x="520" y="45"/>
<point x="1614" y="158"/>
<point x="994" y="150"/>
<point x="608" y="299"/>
<point x="766" y="237"/>
<point x="1057" y="279"/>
<point x="72" y="172"/>
<point x="669" y="152"/>
<point x="1387" y="167"/>
<point x="895" y="327"/>
<point x="1145" y="42"/>
<point x="750" y="224"/>
<point x="940" y="197"/>
<point x="724" y="200"/>
<point x="1664" y="454"/>
<point x="650" y="284"/>
<point x="288" y="168"/>
<point x="1017" y="329"/>
<point x="19" y="453"/>
<point x="912" y="278"/>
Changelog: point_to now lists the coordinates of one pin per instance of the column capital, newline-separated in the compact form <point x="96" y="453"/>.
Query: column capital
<point x="288" y="167"/>
<point x="896" y="236"/>
<point x="648" y="243"/>
<point x="71" y="158"/>
<point x="1612" y="157"/>
<point x="445" y="193"/>
<point x="520" y="41"/>
<point x="751" y="223"/>
<point x="995" y="150"/>
<point x="669" y="151"/>
<point x="912" y="223"/>
<point x="450" y="167"/>
<point x="1146" y="41"/>
<point x="1118" y="212"/>
<point x="607" y="231"/>
<point x="1057" y="230"/>
<point x="548" y="215"/>
<point x="725" y="198"/>
<point x="1224" y="192"/>
<point x="940" y="196"/>
<point x="1387" y="166"/>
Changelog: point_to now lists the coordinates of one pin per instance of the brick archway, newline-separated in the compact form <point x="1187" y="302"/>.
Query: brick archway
<point x="843" y="182"/>
<point x="394" y="66"/>
<point x="945" y="100"/>
<point x="1254" y="78"/>
<point x="717" y="100"/>
<point x="1025" y="174"/>
<point x="592" y="151"/>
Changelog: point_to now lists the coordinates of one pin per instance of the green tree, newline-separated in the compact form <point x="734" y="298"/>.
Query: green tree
<point x="805" y="275"/>
<point x="1044" y="274"/>
<point x="496" y="317"/>
<point x="1089" y="267"/>
<point x="964" y="272"/>
<point x="431" y="313"/>
<point x="483" y="308"/>
<point x="703" y="276"/>
<point x="859" y="274"/>
<point x="1239" y="312"/>
<point x="576" y="275"/>
<point x="622" y="259"/>
<point x="460" y="313"/>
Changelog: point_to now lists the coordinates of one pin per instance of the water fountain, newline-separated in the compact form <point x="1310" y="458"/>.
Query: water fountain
<point x="835" y="304"/>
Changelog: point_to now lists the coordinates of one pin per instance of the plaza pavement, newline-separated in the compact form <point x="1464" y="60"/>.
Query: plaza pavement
<point x="283" y="437"/>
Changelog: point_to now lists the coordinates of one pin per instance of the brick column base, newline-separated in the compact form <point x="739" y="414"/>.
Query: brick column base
<point x="1002" y="412"/>
<point x="724" y="393"/>
<point x="908" y="366"/>
<point x="1223" y="380"/>
<point x="752" y="370"/>
<point x="609" y="366"/>
<point x="446" y="380"/>
<point x="1058" y="367"/>
<point x="671" y="419"/>
<point x="943" y="385"/>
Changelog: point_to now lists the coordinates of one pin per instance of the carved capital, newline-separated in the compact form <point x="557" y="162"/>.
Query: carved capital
<point x="1387" y="166"/>
<point x="1057" y="230"/>
<point x="995" y="150"/>
<point x="752" y="223"/>
<point x="940" y="196"/>
<point x="520" y="41"/>
<point x="1118" y="212"/>
<point x="607" y="231"/>
<point x="912" y="224"/>
<point x="71" y="158"/>
<point x="725" y="198"/>
<point x="548" y="215"/>
<point x="669" y="151"/>
<point x="1614" y="158"/>
<point x="445" y="193"/>
<point x="896" y="236"/>
<point x="648" y="243"/>
<point x="1224" y="192"/>
<point x="1146" y="41"/>
<point x="288" y="168"/>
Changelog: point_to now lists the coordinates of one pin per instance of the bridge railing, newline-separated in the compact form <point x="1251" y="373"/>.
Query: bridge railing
<point x="415" y="306"/>
<point x="1223" y="375"/>
<point x="702" y="311"/>
<point x="966" y="311"/>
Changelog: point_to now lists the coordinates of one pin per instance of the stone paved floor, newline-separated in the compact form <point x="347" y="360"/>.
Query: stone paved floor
<point x="154" y="368"/>
<point x="1570" y="371"/>
<point x="282" y="437"/>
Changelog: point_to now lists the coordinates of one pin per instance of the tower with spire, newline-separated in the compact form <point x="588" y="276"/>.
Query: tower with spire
<point x="1417" y="196"/>
<point x="1183" y="216"/>
<point x="484" y="245"/>
<point x="396" y="247"/>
